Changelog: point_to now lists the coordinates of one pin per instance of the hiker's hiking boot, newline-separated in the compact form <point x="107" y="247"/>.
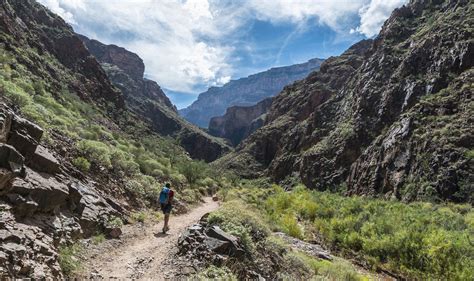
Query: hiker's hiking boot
<point x="165" y="229"/>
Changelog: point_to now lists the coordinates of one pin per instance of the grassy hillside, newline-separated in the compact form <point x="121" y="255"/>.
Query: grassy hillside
<point x="95" y="137"/>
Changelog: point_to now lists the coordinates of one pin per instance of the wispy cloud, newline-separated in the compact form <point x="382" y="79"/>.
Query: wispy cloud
<point x="188" y="44"/>
<point x="373" y="14"/>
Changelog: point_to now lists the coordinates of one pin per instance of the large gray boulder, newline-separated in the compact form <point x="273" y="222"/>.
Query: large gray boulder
<point x="92" y="209"/>
<point x="206" y="241"/>
<point x="44" y="161"/>
<point x="48" y="192"/>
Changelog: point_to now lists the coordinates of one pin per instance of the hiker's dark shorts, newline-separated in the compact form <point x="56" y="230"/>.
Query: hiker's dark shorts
<point x="166" y="208"/>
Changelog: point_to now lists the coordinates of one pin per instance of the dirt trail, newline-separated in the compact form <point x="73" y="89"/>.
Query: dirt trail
<point x="141" y="251"/>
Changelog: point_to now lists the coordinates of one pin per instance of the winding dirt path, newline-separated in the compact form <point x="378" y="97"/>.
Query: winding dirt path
<point x="142" y="250"/>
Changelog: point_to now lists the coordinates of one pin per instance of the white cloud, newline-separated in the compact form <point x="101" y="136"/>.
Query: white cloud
<point x="374" y="14"/>
<point x="165" y="34"/>
<point x="332" y="13"/>
<point x="222" y="80"/>
<point x="190" y="43"/>
<point x="54" y="6"/>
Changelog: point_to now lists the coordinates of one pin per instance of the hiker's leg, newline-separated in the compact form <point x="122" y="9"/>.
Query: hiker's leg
<point x="167" y="218"/>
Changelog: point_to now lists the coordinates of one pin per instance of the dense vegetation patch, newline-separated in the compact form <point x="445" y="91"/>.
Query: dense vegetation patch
<point x="267" y="254"/>
<point x="416" y="240"/>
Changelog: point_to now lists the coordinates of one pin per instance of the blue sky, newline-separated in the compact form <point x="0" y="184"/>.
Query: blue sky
<point x="190" y="45"/>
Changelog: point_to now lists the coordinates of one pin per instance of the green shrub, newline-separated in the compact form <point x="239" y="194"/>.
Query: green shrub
<point x="193" y="170"/>
<point x="289" y="225"/>
<point x="124" y="162"/>
<point x="143" y="186"/>
<point x="337" y="269"/>
<point x="470" y="154"/>
<point x="115" y="222"/>
<point x="15" y="93"/>
<point x="150" y="166"/>
<point x="139" y="216"/>
<point x="82" y="164"/>
<point x="96" y="151"/>
<point x="215" y="273"/>
<point x="98" y="239"/>
<point x="69" y="260"/>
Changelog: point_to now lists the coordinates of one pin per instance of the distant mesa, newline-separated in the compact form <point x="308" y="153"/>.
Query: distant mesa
<point x="245" y="91"/>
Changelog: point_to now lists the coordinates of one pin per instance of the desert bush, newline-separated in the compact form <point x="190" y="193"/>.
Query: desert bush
<point x="215" y="273"/>
<point x="115" y="222"/>
<point x="193" y="170"/>
<point x="96" y="151"/>
<point x="15" y="93"/>
<point x="337" y="269"/>
<point x="69" y="258"/>
<point x="140" y="216"/>
<point x="82" y="164"/>
<point x="97" y="239"/>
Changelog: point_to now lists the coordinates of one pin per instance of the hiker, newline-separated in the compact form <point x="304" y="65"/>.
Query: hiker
<point x="166" y="201"/>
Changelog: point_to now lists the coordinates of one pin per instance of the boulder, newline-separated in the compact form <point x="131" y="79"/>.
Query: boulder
<point x="218" y="233"/>
<point x="207" y="241"/>
<point x="233" y="242"/>
<point x="24" y="135"/>
<point x="44" y="161"/>
<point x="113" y="232"/>
<point x="93" y="211"/>
<point x="45" y="190"/>
<point x="11" y="159"/>
<point x="26" y="249"/>
<point x="23" y="142"/>
<point x="28" y="128"/>
<point x="218" y="246"/>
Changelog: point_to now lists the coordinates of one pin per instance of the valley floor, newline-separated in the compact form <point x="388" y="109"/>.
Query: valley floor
<point x="142" y="252"/>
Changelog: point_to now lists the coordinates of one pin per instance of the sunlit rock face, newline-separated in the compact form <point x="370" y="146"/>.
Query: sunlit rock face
<point x="389" y="117"/>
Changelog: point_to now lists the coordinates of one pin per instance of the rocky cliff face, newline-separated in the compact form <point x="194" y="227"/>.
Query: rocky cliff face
<point x="145" y="98"/>
<point x="245" y="91"/>
<point x="44" y="200"/>
<point x="239" y="121"/>
<point x="41" y="204"/>
<point x="390" y="117"/>
<point x="126" y="70"/>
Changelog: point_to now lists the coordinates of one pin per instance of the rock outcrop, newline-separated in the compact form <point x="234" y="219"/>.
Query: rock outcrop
<point x="41" y="206"/>
<point x="239" y="121"/>
<point x="208" y="242"/>
<point x="245" y="91"/>
<point x="389" y="117"/>
<point x="126" y="71"/>
<point x="145" y="98"/>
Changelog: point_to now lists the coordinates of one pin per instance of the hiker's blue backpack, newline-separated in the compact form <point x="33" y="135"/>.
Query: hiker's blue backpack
<point x="164" y="195"/>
